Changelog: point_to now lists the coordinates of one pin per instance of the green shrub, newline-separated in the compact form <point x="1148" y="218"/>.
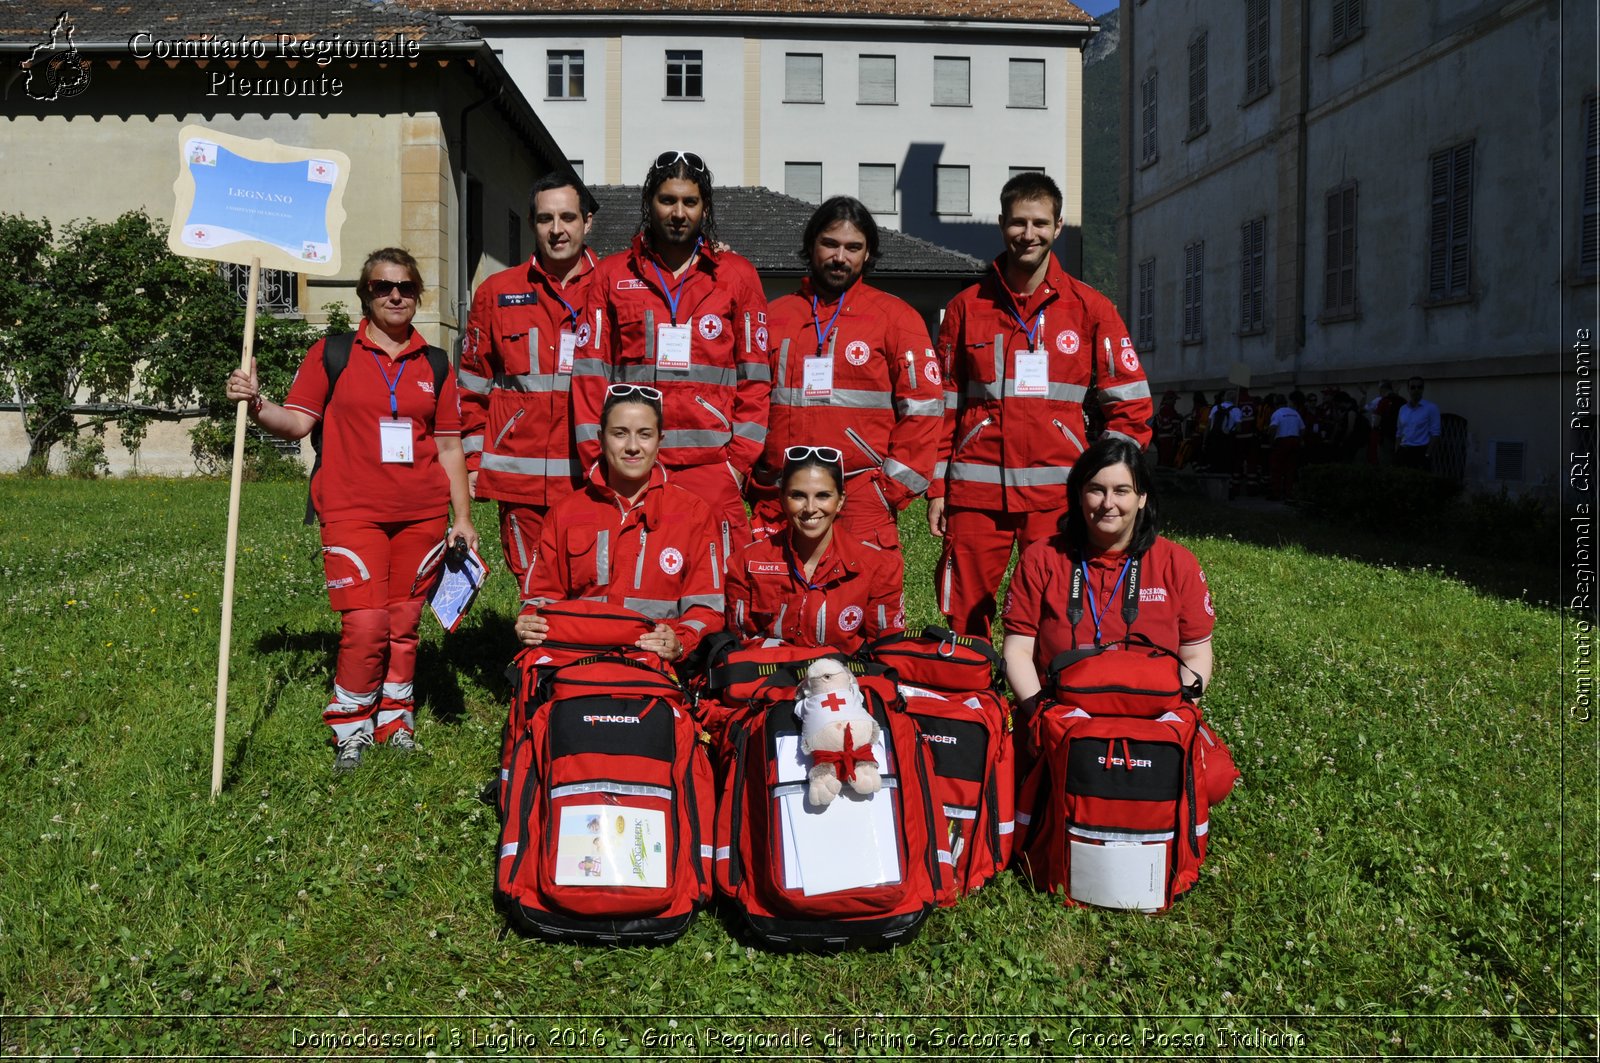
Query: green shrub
<point x="86" y="458"/>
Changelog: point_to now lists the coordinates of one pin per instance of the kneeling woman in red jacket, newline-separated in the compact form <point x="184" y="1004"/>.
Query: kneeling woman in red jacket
<point x="807" y="586"/>
<point x="630" y="538"/>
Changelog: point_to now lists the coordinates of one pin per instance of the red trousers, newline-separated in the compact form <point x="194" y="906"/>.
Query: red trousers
<point x="718" y="487"/>
<point x="977" y="550"/>
<point x="371" y="571"/>
<point x="520" y="525"/>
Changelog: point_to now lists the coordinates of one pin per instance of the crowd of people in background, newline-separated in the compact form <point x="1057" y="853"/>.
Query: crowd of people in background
<point x="1261" y="443"/>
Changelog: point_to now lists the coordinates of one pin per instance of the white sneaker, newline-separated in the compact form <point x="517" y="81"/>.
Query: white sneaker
<point x="402" y="741"/>
<point x="347" y="756"/>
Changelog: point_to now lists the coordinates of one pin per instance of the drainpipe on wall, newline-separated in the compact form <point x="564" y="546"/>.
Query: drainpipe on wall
<point x="463" y="277"/>
<point x="1301" y="177"/>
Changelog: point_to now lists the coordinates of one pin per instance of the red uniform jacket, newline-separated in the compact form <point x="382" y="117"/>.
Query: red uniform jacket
<point x="886" y="404"/>
<point x="660" y="558"/>
<point x="1174" y="601"/>
<point x="999" y="450"/>
<point x="515" y="393"/>
<point x="353" y="482"/>
<point x="715" y="409"/>
<point x="854" y="596"/>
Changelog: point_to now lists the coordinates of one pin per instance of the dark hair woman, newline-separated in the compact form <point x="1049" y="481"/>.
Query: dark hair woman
<point x="809" y="584"/>
<point x="1111" y="528"/>
<point x="630" y="538"/>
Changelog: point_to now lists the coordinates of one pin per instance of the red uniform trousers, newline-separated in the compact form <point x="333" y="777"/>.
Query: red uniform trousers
<point x="977" y="549"/>
<point x="520" y="525"/>
<point x="718" y="488"/>
<point x="370" y="570"/>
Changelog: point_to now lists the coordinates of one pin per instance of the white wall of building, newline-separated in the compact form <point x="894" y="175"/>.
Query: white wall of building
<point x="747" y="129"/>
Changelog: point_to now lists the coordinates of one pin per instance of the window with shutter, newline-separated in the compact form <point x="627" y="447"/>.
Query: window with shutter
<point x="802" y="78"/>
<point x="1339" y="254"/>
<point x="1147" y="118"/>
<point x="1257" y="50"/>
<point x="1145" y="316"/>
<point x="1194" y="265"/>
<point x="952" y="81"/>
<point x="877" y="79"/>
<point x="1253" y="275"/>
<point x="877" y="187"/>
<point x="1589" y="249"/>
<point x="1027" y="83"/>
<point x="803" y="180"/>
<point x="1345" y="23"/>
<point x="951" y="185"/>
<point x="1198" y="120"/>
<point x="1450" y="223"/>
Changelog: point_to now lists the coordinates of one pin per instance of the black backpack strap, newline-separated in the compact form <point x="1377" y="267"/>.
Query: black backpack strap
<point x="439" y="359"/>
<point x="1130" y="592"/>
<point x="335" y="356"/>
<point x="1075" y="595"/>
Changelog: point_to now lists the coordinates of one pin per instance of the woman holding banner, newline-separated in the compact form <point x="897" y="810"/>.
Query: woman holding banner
<point x="390" y="472"/>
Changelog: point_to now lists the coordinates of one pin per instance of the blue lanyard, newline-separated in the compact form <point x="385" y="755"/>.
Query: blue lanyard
<point x="1094" y="610"/>
<point x="799" y="571"/>
<point x="1023" y="324"/>
<point x="572" y="311"/>
<point x="394" y="404"/>
<point x="672" y="295"/>
<point x="816" y="320"/>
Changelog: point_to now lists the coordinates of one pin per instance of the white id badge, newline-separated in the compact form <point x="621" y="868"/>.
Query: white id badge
<point x="394" y="439"/>
<point x="672" y="346"/>
<point x="819" y="377"/>
<point x="569" y="344"/>
<point x="1033" y="373"/>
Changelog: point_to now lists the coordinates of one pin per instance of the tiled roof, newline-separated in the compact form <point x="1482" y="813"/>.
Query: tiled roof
<point x="765" y="227"/>
<point x="113" y="22"/>
<point x="965" y="10"/>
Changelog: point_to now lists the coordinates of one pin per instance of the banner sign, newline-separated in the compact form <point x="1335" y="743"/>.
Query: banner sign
<point x="238" y="199"/>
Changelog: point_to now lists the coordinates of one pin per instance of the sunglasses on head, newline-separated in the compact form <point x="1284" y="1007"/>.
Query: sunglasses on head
<point x="622" y="391"/>
<point x="830" y="455"/>
<point x="381" y="289"/>
<point x="668" y="158"/>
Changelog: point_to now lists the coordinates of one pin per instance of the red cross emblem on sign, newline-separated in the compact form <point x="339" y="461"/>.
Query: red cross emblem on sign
<point x="833" y="702"/>
<point x="199" y="234"/>
<point x="321" y="170"/>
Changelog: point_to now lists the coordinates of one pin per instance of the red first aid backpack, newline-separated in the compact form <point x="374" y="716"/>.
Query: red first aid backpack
<point x="1113" y="812"/>
<point x="578" y="630"/>
<point x="609" y="807"/>
<point x="862" y="871"/>
<point x="947" y="682"/>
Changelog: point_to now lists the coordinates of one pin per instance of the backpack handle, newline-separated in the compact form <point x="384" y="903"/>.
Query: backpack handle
<point x="1066" y="659"/>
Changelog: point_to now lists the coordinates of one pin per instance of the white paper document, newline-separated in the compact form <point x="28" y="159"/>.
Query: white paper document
<point x="611" y="845"/>
<point x="1125" y="875"/>
<point x="848" y="843"/>
<point x="459" y="583"/>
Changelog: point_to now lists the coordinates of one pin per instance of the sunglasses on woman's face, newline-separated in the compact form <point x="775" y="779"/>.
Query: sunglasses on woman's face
<point x="622" y="391"/>
<point x="668" y="158"/>
<point x="381" y="289"/>
<point x="827" y="454"/>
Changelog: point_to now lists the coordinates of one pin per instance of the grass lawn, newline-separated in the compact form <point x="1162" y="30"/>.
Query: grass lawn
<point x="1407" y="870"/>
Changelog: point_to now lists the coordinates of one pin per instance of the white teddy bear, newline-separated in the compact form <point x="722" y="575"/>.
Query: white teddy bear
<point x="838" y="732"/>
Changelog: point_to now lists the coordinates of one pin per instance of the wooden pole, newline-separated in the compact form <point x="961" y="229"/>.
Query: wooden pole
<point x="235" y="489"/>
